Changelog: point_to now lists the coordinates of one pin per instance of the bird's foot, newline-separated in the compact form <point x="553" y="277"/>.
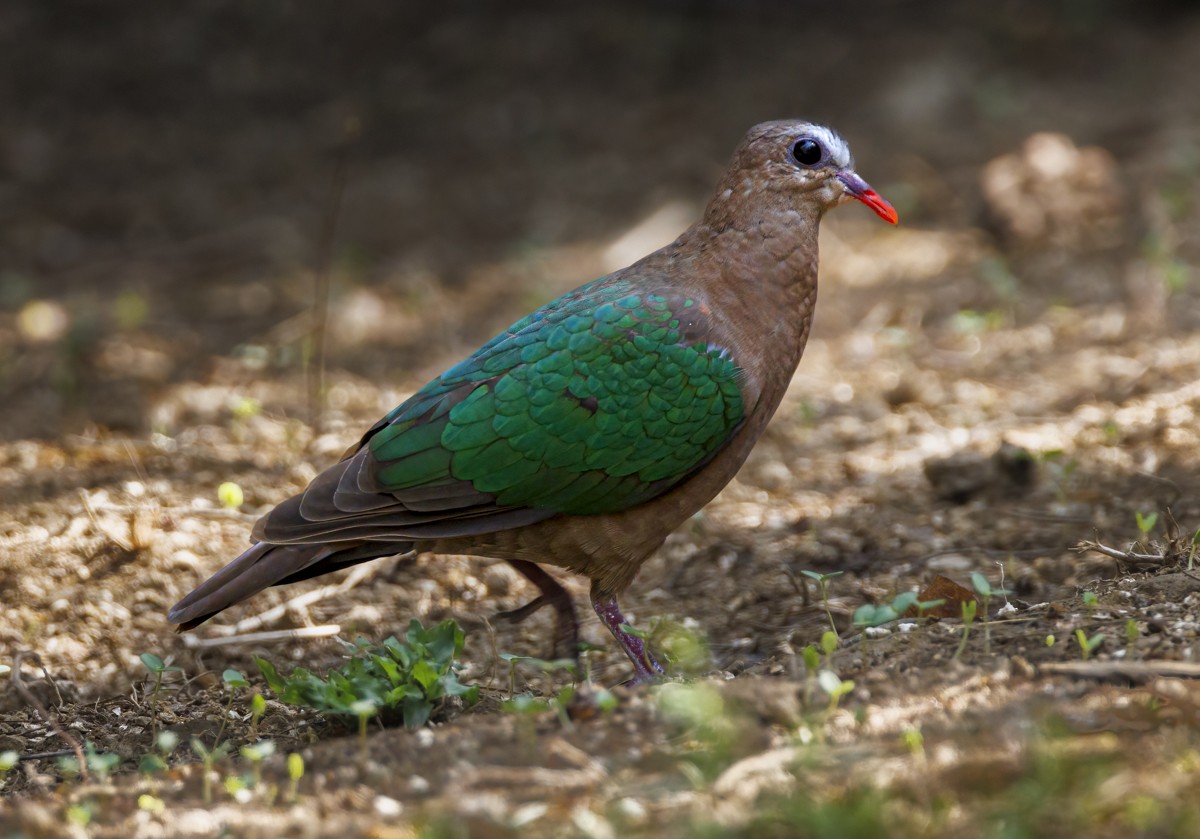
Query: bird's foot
<point x="566" y="620"/>
<point x="645" y="668"/>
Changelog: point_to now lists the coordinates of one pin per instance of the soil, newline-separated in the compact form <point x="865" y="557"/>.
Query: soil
<point x="1003" y="385"/>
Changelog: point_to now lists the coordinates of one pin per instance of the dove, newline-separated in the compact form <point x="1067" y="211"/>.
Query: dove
<point x="585" y="433"/>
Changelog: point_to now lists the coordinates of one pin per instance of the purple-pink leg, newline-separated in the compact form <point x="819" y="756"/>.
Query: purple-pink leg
<point x="566" y="621"/>
<point x="645" y="668"/>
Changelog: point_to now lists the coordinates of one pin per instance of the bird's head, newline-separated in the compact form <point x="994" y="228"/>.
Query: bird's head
<point x="805" y="165"/>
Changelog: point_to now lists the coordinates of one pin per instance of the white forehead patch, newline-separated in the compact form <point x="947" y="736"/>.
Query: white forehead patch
<point x="838" y="151"/>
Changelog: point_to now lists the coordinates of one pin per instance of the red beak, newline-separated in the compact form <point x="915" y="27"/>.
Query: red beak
<point x="861" y="190"/>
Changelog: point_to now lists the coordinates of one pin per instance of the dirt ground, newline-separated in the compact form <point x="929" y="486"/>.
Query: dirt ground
<point x="1009" y="373"/>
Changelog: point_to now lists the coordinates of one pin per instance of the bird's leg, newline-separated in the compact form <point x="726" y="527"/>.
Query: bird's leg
<point x="645" y="668"/>
<point x="566" y="621"/>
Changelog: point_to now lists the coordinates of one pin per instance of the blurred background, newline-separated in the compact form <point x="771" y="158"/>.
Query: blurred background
<point x="173" y="175"/>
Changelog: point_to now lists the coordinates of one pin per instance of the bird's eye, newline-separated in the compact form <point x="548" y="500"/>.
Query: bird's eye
<point x="807" y="152"/>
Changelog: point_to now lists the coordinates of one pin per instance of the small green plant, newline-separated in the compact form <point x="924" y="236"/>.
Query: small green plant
<point x="812" y="662"/>
<point x="100" y="764"/>
<point x="233" y="680"/>
<point x="969" y="608"/>
<point x="544" y="665"/>
<point x="230" y="495"/>
<point x="527" y="705"/>
<point x="1132" y="633"/>
<point x="412" y="677"/>
<point x="835" y="686"/>
<point x="258" y="707"/>
<point x="1145" y="525"/>
<point x="256" y="753"/>
<point x="829" y="644"/>
<point x="1090" y="600"/>
<point x="7" y="761"/>
<point x="1086" y="644"/>
<point x="159" y="668"/>
<point x="209" y="758"/>
<point x="823" y="582"/>
<point x="364" y="709"/>
<point x="295" y="769"/>
<point x="984" y="589"/>
<point x="164" y="744"/>
<point x="1049" y="640"/>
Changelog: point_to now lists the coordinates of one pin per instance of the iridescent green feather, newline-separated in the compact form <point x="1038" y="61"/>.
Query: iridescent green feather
<point x="593" y="404"/>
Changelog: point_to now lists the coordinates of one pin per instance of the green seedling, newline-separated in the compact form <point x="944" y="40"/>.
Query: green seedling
<point x="256" y="753"/>
<point x="812" y="661"/>
<point x="80" y="814"/>
<point x="835" y="686"/>
<point x="1132" y="633"/>
<point x="528" y="705"/>
<point x="829" y="646"/>
<point x="295" y="769"/>
<point x="151" y="763"/>
<point x="151" y="804"/>
<point x="233" y="680"/>
<point x="364" y="709"/>
<point x="159" y="668"/>
<point x="546" y="666"/>
<point x="968" y="617"/>
<point x="984" y="589"/>
<point x="1145" y="524"/>
<point x="100" y="764"/>
<point x="1090" y="600"/>
<point x="258" y="707"/>
<point x="209" y="758"/>
<point x="8" y="760"/>
<point x="230" y="495"/>
<point x="823" y="582"/>
<point x="1086" y="644"/>
<point x="411" y="677"/>
<point x="1049" y="640"/>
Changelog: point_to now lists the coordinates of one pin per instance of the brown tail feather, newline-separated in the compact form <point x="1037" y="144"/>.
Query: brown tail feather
<point x="265" y="565"/>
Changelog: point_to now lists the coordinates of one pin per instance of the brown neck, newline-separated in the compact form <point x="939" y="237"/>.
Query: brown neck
<point x="757" y="268"/>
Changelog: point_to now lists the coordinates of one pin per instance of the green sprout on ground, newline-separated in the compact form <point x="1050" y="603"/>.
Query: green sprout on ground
<point x="835" y="686"/>
<point x="1050" y="640"/>
<point x="823" y="582"/>
<point x="1145" y="525"/>
<point x="544" y="665"/>
<point x="8" y="760"/>
<point x="230" y="495"/>
<point x="159" y="668"/>
<point x="258" y="707"/>
<point x="233" y="680"/>
<point x="411" y="677"/>
<point x="968" y="617"/>
<point x="256" y="753"/>
<point x="209" y="758"/>
<point x="364" y="709"/>
<point x="1090" y="600"/>
<point x="1086" y="644"/>
<point x="295" y="769"/>
<point x="527" y="706"/>
<point x="1132" y="633"/>
<point x="984" y="589"/>
<point x="829" y="645"/>
<point x="151" y="763"/>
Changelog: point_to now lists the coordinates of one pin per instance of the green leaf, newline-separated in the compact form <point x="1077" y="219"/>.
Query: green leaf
<point x="274" y="681"/>
<point x="234" y="679"/>
<point x="425" y="675"/>
<point x="153" y="663"/>
<point x="416" y="711"/>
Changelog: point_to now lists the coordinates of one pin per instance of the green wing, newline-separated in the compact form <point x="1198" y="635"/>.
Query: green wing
<point x="595" y="403"/>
